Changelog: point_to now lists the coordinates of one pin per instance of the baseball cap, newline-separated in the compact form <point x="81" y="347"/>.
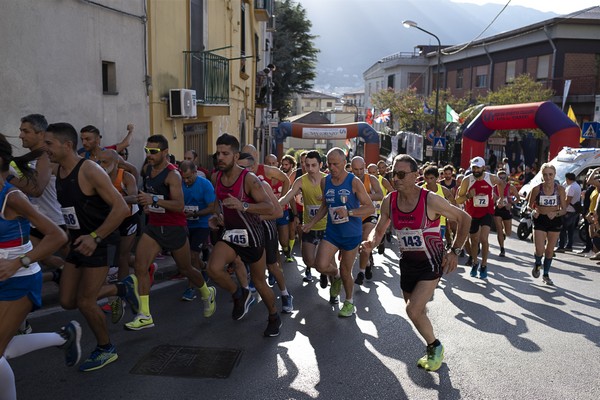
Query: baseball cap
<point x="477" y="162"/>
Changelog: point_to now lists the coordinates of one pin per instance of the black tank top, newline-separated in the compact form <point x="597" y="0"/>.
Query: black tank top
<point x="82" y="213"/>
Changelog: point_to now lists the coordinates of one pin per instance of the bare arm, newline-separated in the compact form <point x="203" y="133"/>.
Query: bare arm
<point x="126" y="140"/>
<point x="296" y="187"/>
<point x="175" y="203"/>
<point x="378" y="195"/>
<point x="462" y="194"/>
<point x="383" y="222"/>
<point x="35" y="185"/>
<point x="321" y="212"/>
<point x="277" y="210"/>
<point x="130" y="188"/>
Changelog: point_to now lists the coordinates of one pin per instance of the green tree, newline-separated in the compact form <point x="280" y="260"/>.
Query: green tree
<point x="294" y="55"/>
<point x="522" y="90"/>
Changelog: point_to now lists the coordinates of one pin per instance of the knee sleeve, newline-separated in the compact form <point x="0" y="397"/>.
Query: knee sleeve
<point x="7" y="381"/>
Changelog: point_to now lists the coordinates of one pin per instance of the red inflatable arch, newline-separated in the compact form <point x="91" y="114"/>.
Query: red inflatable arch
<point x="545" y="115"/>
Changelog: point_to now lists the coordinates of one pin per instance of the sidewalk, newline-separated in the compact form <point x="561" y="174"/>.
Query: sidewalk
<point x="166" y="269"/>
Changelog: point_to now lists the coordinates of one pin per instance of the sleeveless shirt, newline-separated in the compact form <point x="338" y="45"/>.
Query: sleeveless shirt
<point x="483" y="202"/>
<point x="159" y="216"/>
<point x="312" y="195"/>
<point x="548" y="200"/>
<point x="341" y="196"/>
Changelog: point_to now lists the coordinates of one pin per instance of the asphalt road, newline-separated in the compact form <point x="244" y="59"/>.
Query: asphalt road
<point x="510" y="337"/>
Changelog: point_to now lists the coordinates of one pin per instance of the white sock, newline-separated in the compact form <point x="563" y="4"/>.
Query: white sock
<point x="8" y="391"/>
<point x="23" y="344"/>
<point x="284" y="292"/>
<point x="351" y="301"/>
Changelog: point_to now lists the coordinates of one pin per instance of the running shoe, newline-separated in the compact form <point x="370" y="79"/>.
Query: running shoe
<point x="483" y="272"/>
<point x="502" y="253"/>
<point x="241" y="304"/>
<point x="72" y="346"/>
<point x="333" y="300"/>
<point x="469" y="261"/>
<point x="546" y="279"/>
<point x="106" y="308"/>
<point x="347" y="310"/>
<point x="474" y="270"/>
<point x="323" y="281"/>
<point x="369" y="272"/>
<point x="307" y="276"/>
<point x="25" y="328"/>
<point x="56" y="275"/>
<point x="99" y="358"/>
<point x="271" y="280"/>
<point x="117" y="309"/>
<point x="388" y="236"/>
<point x="432" y="361"/>
<point x="151" y="271"/>
<point x="360" y="278"/>
<point x="210" y="303"/>
<point x="113" y="275"/>
<point x="251" y="286"/>
<point x="273" y="325"/>
<point x="381" y="247"/>
<point x="140" y="322"/>
<point x="132" y="292"/>
<point x="336" y="287"/>
<point x="535" y="272"/>
<point x="371" y="262"/>
<point x="287" y="304"/>
<point x="189" y="294"/>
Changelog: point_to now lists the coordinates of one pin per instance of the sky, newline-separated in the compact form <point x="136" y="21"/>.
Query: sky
<point x="556" y="6"/>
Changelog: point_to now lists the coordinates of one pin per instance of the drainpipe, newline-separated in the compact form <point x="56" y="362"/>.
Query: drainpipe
<point x="552" y="71"/>
<point x="491" y="66"/>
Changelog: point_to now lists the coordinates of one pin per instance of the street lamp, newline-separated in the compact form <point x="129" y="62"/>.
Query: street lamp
<point x="412" y="24"/>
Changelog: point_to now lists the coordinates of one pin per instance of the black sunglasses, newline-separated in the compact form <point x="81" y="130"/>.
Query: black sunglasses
<point x="402" y="174"/>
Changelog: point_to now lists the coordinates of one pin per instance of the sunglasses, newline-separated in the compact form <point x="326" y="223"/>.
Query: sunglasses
<point x="402" y="174"/>
<point x="152" y="150"/>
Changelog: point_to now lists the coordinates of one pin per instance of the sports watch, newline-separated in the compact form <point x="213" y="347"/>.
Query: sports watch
<point x="25" y="261"/>
<point x="245" y="206"/>
<point x="456" y="250"/>
<point x="155" y="201"/>
<point x="96" y="238"/>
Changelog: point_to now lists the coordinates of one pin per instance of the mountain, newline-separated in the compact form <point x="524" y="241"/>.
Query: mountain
<point x="354" y="34"/>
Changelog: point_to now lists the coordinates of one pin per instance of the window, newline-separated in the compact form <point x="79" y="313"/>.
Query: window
<point x="195" y="137"/>
<point x="481" y="76"/>
<point x="459" y="78"/>
<point x="415" y="80"/>
<point x="307" y="103"/>
<point x="511" y="67"/>
<point x="543" y="67"/>
<point x="109" y="78"/>
<point x="243" y="39"/>
<point x="390" y="82"/>
<point x="329" y="104"/>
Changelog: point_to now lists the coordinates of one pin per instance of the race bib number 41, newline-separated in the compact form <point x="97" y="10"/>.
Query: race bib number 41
<point x="70" y="217"/>
<point x="239" y="237"/>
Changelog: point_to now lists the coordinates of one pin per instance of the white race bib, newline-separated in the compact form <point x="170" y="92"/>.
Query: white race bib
<point x="157" y="209"/>
<point x="548" y="201"/>
<point x="70" y="217"/>
<point x="411" y="239"/>
<point x="481" y="200"/>
<point x="312" y="210"/>
<point x="191" y="209"/>
<point x="335" y="217"/>
<point x="238" y="237"/>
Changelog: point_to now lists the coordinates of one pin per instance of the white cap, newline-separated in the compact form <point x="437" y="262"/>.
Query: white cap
<point x="478" y="162"/>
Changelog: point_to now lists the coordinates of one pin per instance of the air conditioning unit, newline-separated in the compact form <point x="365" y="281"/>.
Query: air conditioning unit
<point x="182" y="103"/>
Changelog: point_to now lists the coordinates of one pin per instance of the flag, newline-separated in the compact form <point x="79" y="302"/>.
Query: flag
<point x="566" y="92"/>
<point x="369" y="116"/>
<point x="572" y="117"/>
<point x="384" y="116"/>
<point x="426" y="108"/>
<point x="451" y="115"/>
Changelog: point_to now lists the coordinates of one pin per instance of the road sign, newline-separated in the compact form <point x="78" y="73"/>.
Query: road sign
<point x="590" y="130"/>
<point x="439" y="144"/>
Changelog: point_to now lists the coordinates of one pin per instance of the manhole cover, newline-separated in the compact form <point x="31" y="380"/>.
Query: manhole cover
<point x="188" y="362"/>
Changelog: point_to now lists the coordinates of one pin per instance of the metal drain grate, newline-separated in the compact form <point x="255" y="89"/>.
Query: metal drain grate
<point x="188" y="362"/>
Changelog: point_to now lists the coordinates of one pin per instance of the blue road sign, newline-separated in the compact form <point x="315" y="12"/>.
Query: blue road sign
<point x="439" y="144"/>
<point x="590" y="130"/>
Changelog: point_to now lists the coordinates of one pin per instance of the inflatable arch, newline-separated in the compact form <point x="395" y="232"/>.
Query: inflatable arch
<point x="545" y="115"/>
<point x="331" y="131"/>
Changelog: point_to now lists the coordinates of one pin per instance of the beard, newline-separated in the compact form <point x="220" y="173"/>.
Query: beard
<point x="478" y="174"/>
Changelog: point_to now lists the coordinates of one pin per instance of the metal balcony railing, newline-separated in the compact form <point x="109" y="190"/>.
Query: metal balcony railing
<point x="209" y="74"/>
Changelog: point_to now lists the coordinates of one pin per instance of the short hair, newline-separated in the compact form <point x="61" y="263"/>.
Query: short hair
<point x="160" y="139"/>
<point x="450" y="167"/>
<point x="64" y="132"/>
<point x="315" y="155"/>
<point x="21" y="162"/>
<point x="431" y="170"/>
<point x="193" y="152"/>
<point x="570" y="176"/>
<point x="187" y="166"/>
<point x="337" y="151"/>
<point x="37" y="121"/>
<point x="289" y="159"/>
<point x="92" y="129"/>
<point x="229" y="140"/>
<point x="414" y="167"/>
<point x="246" y="156"/>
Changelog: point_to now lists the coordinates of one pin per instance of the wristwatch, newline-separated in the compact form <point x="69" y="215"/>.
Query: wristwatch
<point x="351" y="213"/>
<point x="96" y="238"/>
<point x="456" y="250"/>
<point x="25" y="261"/>
<point x="245" y="206"/>
<point x="155" y="201"/>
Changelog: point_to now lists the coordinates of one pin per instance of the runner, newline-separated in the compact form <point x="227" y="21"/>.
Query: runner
<point x="431" y="175"/>
<point x="414" y="212"/>
<point x="386" y="187"/>
<point x="241" y="198"/>
<point x="503" y="215"/>
<point x="346" y="202"/>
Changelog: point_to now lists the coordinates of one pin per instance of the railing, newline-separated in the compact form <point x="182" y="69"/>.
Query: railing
<point x="210" y="76"/>
<point x="263" y="9"/>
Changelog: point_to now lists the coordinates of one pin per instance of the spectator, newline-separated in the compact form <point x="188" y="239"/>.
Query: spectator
<point x="573" y="192"/>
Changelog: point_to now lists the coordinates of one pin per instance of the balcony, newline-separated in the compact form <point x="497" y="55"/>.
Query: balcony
<point x="263" y="10"/>
<point x="210" y="77"/>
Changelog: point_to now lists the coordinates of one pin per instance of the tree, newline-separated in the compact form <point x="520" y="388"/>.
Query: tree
<point x="522" y="90"/>
<point x="294" y="55"/>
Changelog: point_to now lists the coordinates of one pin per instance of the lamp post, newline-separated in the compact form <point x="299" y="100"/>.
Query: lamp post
<point x="412" y="24"/>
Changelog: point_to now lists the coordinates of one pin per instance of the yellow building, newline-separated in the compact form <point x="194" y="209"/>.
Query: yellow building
<point x="214" y="48"/>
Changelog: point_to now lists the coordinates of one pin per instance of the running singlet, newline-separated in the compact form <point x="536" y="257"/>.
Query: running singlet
<point x="276" y="187"/>
<point x="118" y="184"/>
<point x="337" y="197"/>
<point x="384" y="191"/>
<point x="483" y="201"/>
<point x="83" y="214"/>
<point x="550" y="200"/>
<point x="313" y="197"/>
<point x="418" y="236"/>
<point x="14" y="236"/>
<point x="376" y="204"/>
<point x="241" y="228"/>
<point x="506" y="193"/>
<point x="47" y="203"/>
<point x="439" y="192"/>
<point x="159" y="216"/>
<point x="448" y="186"/>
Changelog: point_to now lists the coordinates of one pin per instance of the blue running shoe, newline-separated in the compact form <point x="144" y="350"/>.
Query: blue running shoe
<point x="483" y="272"/>
<point x="72" y="346"/>
<point x="132" y="292"/>
<point x="474" y="270"/>
<point x="287" y="304"/>
<point x="271" y="280"/>
<point x="189" y="294"/>
<point x="99" y="359"/>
